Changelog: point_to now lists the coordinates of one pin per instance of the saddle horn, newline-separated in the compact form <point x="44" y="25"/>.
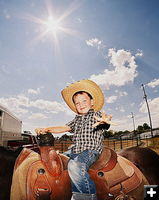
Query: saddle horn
<point x="49" y="157"/>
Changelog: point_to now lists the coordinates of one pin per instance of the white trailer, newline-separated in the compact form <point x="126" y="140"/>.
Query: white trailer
<point x="10" y="126"/>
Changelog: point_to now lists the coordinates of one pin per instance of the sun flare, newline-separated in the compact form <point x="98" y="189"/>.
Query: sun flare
<point x="52" y="25"/>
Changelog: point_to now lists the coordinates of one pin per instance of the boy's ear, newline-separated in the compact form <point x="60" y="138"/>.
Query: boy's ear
<point x="92" y="103"/>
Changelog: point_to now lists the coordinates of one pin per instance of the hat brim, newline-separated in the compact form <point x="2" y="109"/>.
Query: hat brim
<point x="87" y="86"/>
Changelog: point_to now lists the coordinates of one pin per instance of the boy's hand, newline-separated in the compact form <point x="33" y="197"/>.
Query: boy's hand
<point x="41" y="131"/>
<point x="105" y="119"/>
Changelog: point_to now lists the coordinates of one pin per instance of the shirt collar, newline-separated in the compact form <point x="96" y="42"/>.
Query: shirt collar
<point x="89" y="112"/>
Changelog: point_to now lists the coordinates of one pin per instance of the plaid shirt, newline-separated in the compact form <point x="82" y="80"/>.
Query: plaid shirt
<point x="85" y="136"/>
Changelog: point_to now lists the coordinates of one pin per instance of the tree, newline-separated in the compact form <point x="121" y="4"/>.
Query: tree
<point x="140" y="129"/>
<point x="118" y="133"/>
<point x="143" y="128"/>
<point x="108" y="134"/>
<point x="146" y="126"/>
<point x="126" y="132"/>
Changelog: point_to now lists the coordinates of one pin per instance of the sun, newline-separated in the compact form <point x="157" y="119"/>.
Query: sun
<point x="48" y="26"/>
<point x="52" y="25"/>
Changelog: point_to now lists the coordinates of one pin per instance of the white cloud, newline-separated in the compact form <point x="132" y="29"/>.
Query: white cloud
<point x="132" y="104"/>
<point x="153" y="105"/>
<point x="154" y="111"/>
<point x="32" y="91"/>
<point x="155" y="91"/>
<point x="21" y="105"/>
<point x="95" y="42"/>
<point x="121" y="109"/>
<point x="22" y="100"/>
<point x="68" y="111"/>
<point x="6" y="14"/>
<point x="79" y="20"/>
<point x="124" y="69"/>
<point x="51" y="106"/>
<point x="3" y="69"/>
<point x="38" y="116"/>
<point x="14" y="104"/>
<point x="139" y="53"/>
<point x="153" y="83"/>
<point x="121" y="94"/>
<point x="111" y="99"/>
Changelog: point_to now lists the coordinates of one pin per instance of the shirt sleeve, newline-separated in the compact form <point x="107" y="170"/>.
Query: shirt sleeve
<point x="71" y="124"/>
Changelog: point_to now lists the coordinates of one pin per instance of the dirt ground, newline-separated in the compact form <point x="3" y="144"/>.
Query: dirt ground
<point x="152" y="144"/>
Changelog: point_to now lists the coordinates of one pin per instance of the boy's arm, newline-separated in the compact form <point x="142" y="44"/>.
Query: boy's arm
<point x="53" y="129"/>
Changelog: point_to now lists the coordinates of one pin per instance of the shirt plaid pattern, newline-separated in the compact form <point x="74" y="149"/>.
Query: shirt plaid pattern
<point x="85" y="136"/>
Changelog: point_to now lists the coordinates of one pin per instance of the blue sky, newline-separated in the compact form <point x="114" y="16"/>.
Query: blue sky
<point x="45" y="45"/>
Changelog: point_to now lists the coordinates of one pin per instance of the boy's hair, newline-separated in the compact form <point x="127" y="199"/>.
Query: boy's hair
<point x="81" y="92"/>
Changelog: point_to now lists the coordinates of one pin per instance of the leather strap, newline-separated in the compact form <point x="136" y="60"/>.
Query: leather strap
<point x="51" y="160"/>
<point x="129" y="184"/>
<point x="111" y="163"/>
<point x="111" y="159"/>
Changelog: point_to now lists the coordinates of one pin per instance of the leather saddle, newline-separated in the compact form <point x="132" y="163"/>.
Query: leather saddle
<point x="47" y="178"/>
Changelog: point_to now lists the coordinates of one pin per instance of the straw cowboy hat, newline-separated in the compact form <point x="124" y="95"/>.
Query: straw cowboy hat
<point x="87" y="86"/>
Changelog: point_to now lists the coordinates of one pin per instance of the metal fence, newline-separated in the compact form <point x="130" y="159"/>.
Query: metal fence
<point x="115" y="144"/>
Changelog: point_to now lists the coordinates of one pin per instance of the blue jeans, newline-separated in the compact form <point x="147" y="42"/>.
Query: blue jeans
<point x="78" y="166"/>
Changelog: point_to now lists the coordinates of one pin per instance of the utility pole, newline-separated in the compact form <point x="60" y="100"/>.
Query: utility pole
<point x="133" y="121"/>
<point x="145" y="97"/>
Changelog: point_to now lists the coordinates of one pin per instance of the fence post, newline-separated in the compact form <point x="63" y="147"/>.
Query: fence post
<point x="114" y="144"/>
<point x="121" y="145"/>
<point x="137" y="141"/>
<point x="62" y="147"/>
<point x="146" y="140"/>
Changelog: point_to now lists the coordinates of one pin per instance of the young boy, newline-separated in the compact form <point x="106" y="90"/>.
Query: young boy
<point x="85" y="98"/>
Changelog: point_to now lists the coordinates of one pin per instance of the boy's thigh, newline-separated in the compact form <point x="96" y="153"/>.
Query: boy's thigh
<point x="88" y="157"/>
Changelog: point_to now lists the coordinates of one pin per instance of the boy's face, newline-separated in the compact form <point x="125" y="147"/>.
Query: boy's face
<point x="83" y="103"/>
